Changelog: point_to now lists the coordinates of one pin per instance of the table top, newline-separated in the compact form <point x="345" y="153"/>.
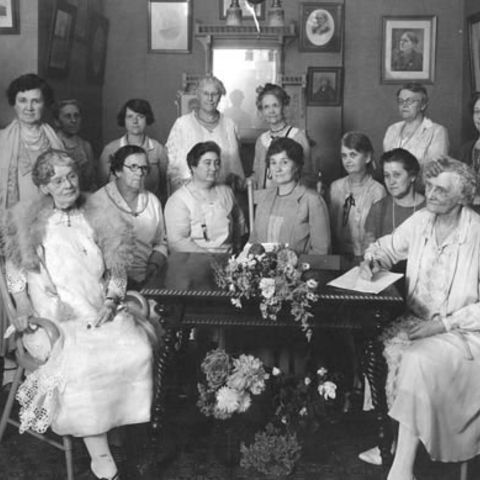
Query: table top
<point x="190" y="276"/>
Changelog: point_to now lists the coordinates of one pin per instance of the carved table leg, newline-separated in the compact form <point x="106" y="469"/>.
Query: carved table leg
<point x="375" y="368"/>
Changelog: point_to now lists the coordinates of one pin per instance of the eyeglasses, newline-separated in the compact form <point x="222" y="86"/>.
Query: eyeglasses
<point x="407" y="101"/>
<point x="347" y="206"/>
<point x="144" y="169"/>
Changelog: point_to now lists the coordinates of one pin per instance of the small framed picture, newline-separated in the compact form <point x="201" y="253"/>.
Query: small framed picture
<point x="408" y="49"/>
<point x="186" y="102"/>
<point x="61" y="39"/>
<point x="9" y="17"/>
<point x="474" y="47"/>
<point x="170" y="26"/>
<point x="97" y="48"/>
<point x="324" y="86"/>
<point x="246" y="9"/>
<point x="321" y="27"/>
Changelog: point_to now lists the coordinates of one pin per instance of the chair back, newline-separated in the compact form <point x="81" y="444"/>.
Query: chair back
<point x="249" y="182"/>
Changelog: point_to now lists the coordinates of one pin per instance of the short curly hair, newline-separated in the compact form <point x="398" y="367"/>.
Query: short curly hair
<point x="272" y="89"/>
<point x="44" y="168"/>
<point x="117" y="160"/>
<point x="137" y="105"/>
<point x="30" y="81"/>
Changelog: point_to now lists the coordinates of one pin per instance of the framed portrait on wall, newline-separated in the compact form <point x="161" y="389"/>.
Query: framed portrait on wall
<point x="321" y="27"/>
<point x="408" y="49"/>
<point x="9" y="16"/>
<point x="246" y="10"/>
<point x="170" y="26"/>
<point x="97" y="48"/>
<point x="474" y="50"/>
<point x="186" y="102"/>
<point x="324" y="86"/>
<point x="61" y="39"/>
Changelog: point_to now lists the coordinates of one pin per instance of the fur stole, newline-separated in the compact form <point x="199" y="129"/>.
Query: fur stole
<point x="24" y="228"/>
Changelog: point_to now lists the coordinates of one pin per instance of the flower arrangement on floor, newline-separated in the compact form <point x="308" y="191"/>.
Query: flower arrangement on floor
<point x="229" y="383"/>
<point x="275" y="278"/>
<point x="299" y="404"/>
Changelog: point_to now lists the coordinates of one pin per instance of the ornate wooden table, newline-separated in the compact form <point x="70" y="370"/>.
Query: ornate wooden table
<point x="188" y="297"/>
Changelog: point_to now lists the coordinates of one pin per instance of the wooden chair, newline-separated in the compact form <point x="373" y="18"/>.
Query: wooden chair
<point x="27" y="363"/>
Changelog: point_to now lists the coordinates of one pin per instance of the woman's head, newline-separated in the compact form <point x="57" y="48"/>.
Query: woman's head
<point x="412" y="100"/>
<point x="475" y="106"/>
<point x="29" y="94"/>
<point x="129" y="164"/>
<point x="67" y="116"/>
<point x="56" y="174"/>
<point x="408" y="41"/>
<point x="285" y="159"/>
<point x="209" y="91"/>
<point x="204" y="161"/>
<point x="400" y="171"/>
<point x="271" y="102"/>
<point x="449" y="184"/>
<point x="135" y="115"/>
<point x="356" y="152"/>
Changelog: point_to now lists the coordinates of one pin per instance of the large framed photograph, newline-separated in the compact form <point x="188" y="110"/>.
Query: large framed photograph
<point x="246" y="9"/>
<point x="61" y="39"/>
<point x="9" y="16"/>
<point x="170" y="26"/>
<point x="97" y="48"/>
<point x="321" y="27"/>
<point x="324" y="86"/>
<point x="474" y="47"/>
<point x="408" y="49"/>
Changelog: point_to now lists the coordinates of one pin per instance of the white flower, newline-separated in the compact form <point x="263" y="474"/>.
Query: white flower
<point x="307" y="381"/>
<point x="284" y="420"/>
<point x="322" y="371"/>
<point x="303" y="412"/>
<point x="305" y="266"/>
<point x="311" y="283"/>
<point x="276" y="371"/>
<point x="227" y="400"/>
<point x="236" y="302"/>
<point x="267" y="286"/>
<point x="327" y="390"/>
<point x="244" y="403"/>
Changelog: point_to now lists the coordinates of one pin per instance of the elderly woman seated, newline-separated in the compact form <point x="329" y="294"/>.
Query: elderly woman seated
<point x="65" y="262"/>
<point x="140" y="209"/>
<point x="288" y="212"/>
<point x="202" y="216"/>
<point x="433" y="351"/>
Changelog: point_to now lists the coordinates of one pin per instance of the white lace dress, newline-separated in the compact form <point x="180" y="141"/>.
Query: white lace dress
<point x="95" y="378"/>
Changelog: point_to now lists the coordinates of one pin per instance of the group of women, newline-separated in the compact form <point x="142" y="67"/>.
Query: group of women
<point x="69" y="256"/>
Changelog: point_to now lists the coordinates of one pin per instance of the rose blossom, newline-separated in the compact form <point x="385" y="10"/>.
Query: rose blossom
<point x="216" y="368"/>
<point x="267" y="286"/>
<point x="227" y="400"/>
<point x="327" y="390"/>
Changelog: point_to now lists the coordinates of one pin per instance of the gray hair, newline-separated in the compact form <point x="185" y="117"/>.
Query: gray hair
<point x="464" y="175"/>
<point x="44" y="168"/>
<point x="209" y="78"/>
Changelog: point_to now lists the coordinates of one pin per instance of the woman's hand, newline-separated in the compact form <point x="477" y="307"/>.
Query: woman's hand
<point x="368" y="268"/>
<point x="106" y="313"/>
<point x="426" y="329"/>
<point x="155" y="264"/>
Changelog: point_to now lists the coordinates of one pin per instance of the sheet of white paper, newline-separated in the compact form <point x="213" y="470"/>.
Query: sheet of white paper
<point x="351" y="281"/>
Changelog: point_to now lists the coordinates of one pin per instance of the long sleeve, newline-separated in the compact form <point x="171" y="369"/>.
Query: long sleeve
<point x="319" y="226"/>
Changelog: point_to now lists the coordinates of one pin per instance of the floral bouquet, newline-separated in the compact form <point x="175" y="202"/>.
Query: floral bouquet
<point x="275" y="278"/>
<point x="229" y="383"/>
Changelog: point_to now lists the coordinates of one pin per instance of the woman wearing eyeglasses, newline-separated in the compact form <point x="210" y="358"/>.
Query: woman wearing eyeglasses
<point x="416" y="133"/>
<point x="352" y="196"/>
<point x="140" y="208"/>
<point x="202" y="216"/>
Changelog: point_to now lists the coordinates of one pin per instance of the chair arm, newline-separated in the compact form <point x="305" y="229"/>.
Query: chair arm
<point x="50" y="328"/>
<point x="137" y="302"/>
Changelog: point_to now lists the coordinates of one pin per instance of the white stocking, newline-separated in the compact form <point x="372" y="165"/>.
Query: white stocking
<point x="103" y="465"/>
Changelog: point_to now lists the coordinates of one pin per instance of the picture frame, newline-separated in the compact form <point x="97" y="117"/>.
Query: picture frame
<point x="97" y="48"/>
<point x="409" y="49"/>
<point x="186" y="102"/>
<point x="246" y="12"/>
<point x="474" y="50"/>
<point x="321" y="27"/>
<point x="61" y="40"/>
<point x="324" y="86"/>
<point x="170" y="26"/>
<point x="81" y="24"/>
<point x="9" y="17"/>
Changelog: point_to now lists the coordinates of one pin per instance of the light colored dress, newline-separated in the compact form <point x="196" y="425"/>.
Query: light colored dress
<point x="196" y="225"/>
<point x="433" y="384"/>
<point x="429" y="142"/>
<point x="186" y="132"/>
<point x="146" y="222"/>
<point x="260" y="171"/>
<point x="349" y="238"/>
<point x="95" y="378"/>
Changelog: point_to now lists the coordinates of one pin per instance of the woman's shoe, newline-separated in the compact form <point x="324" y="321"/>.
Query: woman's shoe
<point x="371" y="456"/>
<point x="89" y="475"/>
